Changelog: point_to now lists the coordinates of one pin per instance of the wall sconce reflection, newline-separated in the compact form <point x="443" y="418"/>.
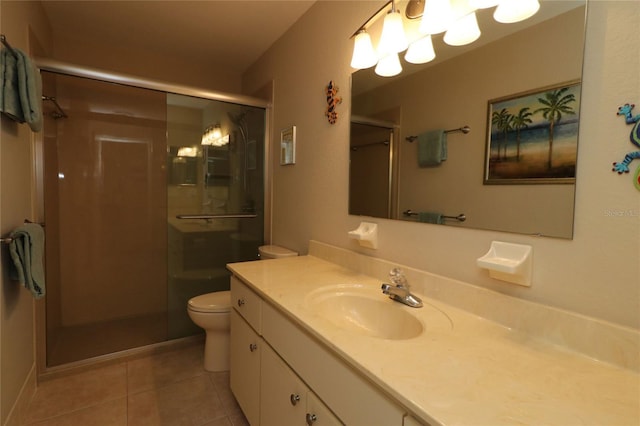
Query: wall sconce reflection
<point x="213" y="136"/>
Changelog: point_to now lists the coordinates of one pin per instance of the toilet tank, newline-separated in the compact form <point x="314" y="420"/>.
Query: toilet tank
<point x="275" y="252"/>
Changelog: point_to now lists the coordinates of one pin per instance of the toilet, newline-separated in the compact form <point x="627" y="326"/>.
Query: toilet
<point x="210" y="311"/>
<point x="275" y="252"/>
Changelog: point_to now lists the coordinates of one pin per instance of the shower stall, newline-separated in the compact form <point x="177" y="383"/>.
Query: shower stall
<point x="149" y="191"/>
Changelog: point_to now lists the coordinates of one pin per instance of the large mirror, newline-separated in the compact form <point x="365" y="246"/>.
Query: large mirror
<point x="463" y="92"/>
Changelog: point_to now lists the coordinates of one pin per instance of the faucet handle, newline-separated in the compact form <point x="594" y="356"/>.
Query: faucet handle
<point x="397" y="277"/>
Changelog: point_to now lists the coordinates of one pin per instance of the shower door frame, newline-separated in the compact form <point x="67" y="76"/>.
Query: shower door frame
<point x="42" y="371"/>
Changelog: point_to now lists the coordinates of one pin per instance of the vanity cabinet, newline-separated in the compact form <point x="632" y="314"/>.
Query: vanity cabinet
<point x="281" y="375"/>
<point x="245" y="347"/>
<point x="285" y="399"/>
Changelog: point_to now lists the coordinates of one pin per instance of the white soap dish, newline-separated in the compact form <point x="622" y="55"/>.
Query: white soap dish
<point x="366" y="234"/>
<point x="509" y="262"/>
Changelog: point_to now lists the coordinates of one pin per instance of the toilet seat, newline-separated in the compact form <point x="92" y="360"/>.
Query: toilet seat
<point x="217" y="302"/>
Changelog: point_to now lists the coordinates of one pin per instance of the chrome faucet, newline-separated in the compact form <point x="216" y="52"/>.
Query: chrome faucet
<point x="399" y="291"/>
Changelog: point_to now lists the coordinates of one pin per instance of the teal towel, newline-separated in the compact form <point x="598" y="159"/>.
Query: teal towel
<point x="21" y="96"/>
<point x="30" y="89"/>
<point x="9" y="93"/>
<point x="432" y="148"/>
<point x="430" y="217"/>
<point x="27" y="253"/>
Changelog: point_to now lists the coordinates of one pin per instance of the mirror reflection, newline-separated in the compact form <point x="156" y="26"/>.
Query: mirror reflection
<point x="392" y="180"/>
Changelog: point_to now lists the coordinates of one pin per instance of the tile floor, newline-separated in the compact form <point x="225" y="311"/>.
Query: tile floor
<point x="168" y="389"/>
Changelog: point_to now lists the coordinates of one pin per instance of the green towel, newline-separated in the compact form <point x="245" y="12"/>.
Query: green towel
<point x="9" y="92"/>
<point x="21" y="89"/>
<point x="432" y="148"/>
<point x="27" y="253"/>
<point x="30" y="90"/>
<point x="430" y="217"/>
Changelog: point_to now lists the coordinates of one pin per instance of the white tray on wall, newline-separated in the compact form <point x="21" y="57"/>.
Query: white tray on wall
<point x="509" y="262"/>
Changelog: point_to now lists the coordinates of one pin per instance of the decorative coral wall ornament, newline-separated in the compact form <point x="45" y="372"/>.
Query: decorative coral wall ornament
<point x="332" y="101"/>
<point x="634" y="136"/>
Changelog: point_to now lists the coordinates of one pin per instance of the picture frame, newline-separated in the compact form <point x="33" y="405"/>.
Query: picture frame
<point x="288" y="146"/>
<point x="532" y="137"/>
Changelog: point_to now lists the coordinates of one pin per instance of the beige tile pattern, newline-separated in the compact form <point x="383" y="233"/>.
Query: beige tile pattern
<point x="170" y="388"/>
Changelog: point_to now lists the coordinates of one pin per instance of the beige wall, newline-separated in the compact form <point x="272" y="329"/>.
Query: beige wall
<point x="596" y="274"/>
<point x="96" y="53"/>
<point x="17" y="187"/>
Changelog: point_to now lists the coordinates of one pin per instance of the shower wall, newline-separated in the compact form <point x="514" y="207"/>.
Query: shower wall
<point x="105" y="206"/>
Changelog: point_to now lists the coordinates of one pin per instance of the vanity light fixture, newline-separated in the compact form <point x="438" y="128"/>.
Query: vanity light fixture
<point x="436" y="17"/>
<point x="483" y="4"/>
<point x="389" y="65"/>
<point x="456" y="18"/>
<point x="364" y="55"/>
<point x="463" y="31"/>
<point x="393" y="39"/>
<point x="420" y="51"/>
<point x="510" y="11"/>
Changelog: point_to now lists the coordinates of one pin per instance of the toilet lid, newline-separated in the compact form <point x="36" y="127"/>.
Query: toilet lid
<point x="219" y="301"/>
<point x="275" y="252"/>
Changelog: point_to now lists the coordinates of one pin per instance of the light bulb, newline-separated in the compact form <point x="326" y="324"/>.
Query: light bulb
<point x="393" y="39"/>
<point x="464" y="31"/>
<point x="437" y="17"/>
<point x="364" y="56"/>
<point x="389" y="65"/>
<point x="420" y="51"/>
<point x="510" y="11"/>
<point x="483" y="4"/>
<point x="217" y="132"/>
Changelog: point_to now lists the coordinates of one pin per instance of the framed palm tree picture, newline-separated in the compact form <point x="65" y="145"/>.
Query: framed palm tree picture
<point x="532" y="137"/>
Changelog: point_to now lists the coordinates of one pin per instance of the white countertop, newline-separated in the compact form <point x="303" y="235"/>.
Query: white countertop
<point x="466" y="371"/>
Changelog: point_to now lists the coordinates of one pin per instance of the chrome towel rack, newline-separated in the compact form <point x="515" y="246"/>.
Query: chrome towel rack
<point x="216" y="216"/>
<point x="7" y="240"/>
<point x="57" y="114"/>
<point x="6" y="44"/>
<point x="460" y="218"/>
<point x="464" y="129"/>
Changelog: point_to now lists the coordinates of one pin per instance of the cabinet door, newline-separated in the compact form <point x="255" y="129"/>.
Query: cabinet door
<point x="283" y="395"/>
<point x="318" y="414"/>
<point x="245" y="348"/>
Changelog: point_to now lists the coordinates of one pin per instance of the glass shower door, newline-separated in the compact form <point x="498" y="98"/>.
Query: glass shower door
<point x="140" y="215"/>
<point x="105" y="212"/>
<point x="215" y="169"/>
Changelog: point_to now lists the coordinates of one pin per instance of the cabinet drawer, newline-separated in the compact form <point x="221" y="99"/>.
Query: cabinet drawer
<point x="351" y="397"/>
<point x="244" y="375"/>
<point x="247" y="303"/>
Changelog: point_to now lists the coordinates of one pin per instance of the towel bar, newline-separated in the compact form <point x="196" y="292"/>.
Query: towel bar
<point x="6" y="44"/>
<point x="7" y="240"/>
<point x="463" y="129"/>
<point x="460" y="218"/>
<point x="216" y="216"/>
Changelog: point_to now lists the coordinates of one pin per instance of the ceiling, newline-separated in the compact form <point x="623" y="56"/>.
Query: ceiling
<point x="239" y="31"/>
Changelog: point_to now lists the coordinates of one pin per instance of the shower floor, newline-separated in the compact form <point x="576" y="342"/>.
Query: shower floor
<point x="70" y="344"/>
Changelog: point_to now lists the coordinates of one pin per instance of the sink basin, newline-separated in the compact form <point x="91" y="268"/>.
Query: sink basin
<point x="357" y="309"/>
